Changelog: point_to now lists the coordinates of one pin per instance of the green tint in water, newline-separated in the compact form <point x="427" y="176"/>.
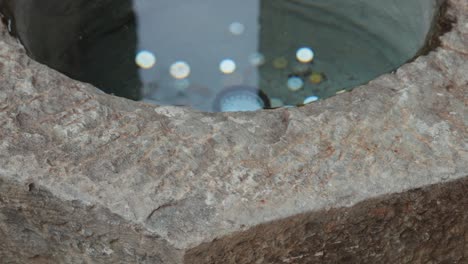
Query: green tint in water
<point x="219" y="55"/>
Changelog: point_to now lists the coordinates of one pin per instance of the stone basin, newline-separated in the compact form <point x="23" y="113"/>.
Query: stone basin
<point x="376" y="175"/>
<point x="285" y="52"/>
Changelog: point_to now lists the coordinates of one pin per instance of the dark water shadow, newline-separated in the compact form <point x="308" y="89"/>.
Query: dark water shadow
<point x="91" y="41"/>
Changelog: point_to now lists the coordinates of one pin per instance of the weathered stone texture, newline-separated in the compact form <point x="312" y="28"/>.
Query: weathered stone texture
<point x="150" y="182"/>
<point x="36" y="227"/>
<point x="427" y="225"/>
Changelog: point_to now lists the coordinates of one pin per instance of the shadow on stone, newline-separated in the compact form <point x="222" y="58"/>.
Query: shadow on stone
<point x="427" y="225"/>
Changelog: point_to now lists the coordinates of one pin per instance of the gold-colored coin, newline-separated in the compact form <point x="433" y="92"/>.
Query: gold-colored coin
<point x="316" y="78"/>
<point x="280" y="63"/>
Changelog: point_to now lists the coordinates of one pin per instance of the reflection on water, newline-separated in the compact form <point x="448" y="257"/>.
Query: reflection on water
<point x="92" y="41"/>
<point x="219" y="55"/>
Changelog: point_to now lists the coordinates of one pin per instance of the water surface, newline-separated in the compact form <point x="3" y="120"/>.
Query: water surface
<point x="220" y="55"/>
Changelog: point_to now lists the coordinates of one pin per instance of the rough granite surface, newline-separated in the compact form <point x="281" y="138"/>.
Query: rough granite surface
<point x="86" y="177"/>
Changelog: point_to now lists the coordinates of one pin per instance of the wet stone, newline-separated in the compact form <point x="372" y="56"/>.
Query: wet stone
<point x="192" y="53"/>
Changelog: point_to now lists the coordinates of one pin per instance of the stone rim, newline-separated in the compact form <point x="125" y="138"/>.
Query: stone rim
<point x="81" y="182"/>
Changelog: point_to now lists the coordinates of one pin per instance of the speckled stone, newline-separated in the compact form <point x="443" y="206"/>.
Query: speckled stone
<point x="87" y="177"/>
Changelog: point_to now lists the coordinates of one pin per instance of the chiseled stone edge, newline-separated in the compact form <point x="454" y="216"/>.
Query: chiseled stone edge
<point x="424" y="225"/>
<point x="37" y="227"/>
<point x="190" y="177"/>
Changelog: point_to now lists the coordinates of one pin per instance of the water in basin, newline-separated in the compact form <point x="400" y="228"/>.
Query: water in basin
<point x="220" y="55"/>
